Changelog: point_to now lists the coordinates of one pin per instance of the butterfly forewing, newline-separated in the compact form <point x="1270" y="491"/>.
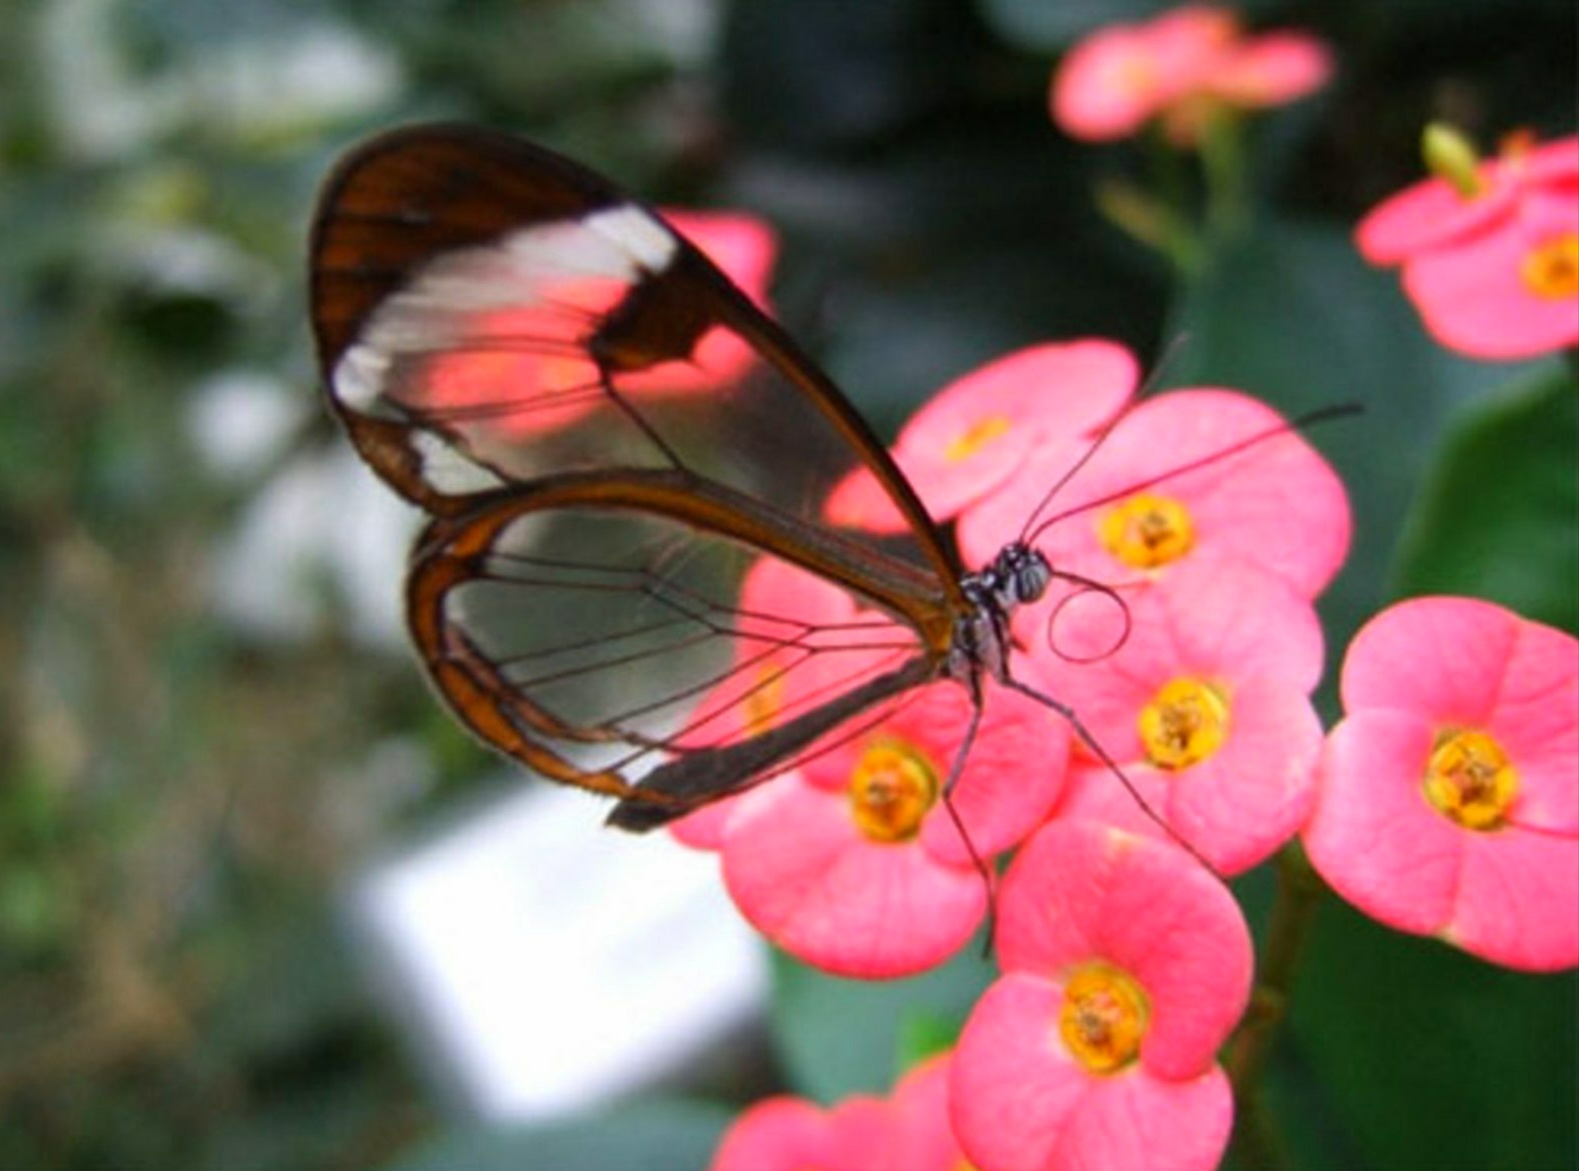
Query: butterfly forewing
<point x="488" y="313"/>
<point x="618" y="449"/>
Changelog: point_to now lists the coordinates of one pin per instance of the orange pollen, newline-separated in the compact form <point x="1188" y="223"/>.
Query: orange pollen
<point x="1470" y="780"/>
<point x="765" y="701"/>
<point x="1551" y="269"/>
<point x="1147" y="530"/>
<point x="975" y="437"/>
<point x="891" y="788"/>
<point x="1104" y="1018"/>
<point x="1185" y="723"/>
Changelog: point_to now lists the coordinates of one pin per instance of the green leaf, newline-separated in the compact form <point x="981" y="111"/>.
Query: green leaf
<point x="654" y="1136"/>
<point x="840" y="1037"/>
<point x="1431" y="1058"/>
<point x="1499" y="516"/>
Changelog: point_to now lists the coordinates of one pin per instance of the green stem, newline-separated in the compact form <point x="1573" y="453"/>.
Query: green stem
<point x="1223" y="165"/>
<point x="1299" y="892"/>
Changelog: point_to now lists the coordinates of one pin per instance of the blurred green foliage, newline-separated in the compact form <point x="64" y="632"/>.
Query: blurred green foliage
<point x="184" y="785"/>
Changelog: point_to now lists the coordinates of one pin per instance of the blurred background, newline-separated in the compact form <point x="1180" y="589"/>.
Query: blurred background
<point x="213" y="740"/>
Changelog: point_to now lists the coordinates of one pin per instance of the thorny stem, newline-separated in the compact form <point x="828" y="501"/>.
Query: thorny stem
<point x="1299" y="892"/>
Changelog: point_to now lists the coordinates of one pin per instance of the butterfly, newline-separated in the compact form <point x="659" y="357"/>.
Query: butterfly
<point x="610" y="439"/>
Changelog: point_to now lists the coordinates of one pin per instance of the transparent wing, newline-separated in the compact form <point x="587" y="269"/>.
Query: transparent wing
<point x="596" y="638"/>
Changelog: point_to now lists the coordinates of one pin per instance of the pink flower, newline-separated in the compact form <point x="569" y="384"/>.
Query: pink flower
<point x="974" y="435"/>
<point x="1126" y="966"/>
<point x="1205" y="707"/>
<point x="908" y="1131"/>
<point x="789" y="1134"/>
<point x="854" y="863"/>
<point x="526" y="371"/>
<point x="798" y="641"/>
<point x="1490" y="251"/>
<point x="1276" y="506"/>
<point x="1180" y="67"/>
<point x="1449" y="800"/>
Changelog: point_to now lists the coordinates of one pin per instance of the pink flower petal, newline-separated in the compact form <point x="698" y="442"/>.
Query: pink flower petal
<point x="789" y="1134"/>
<point x="1272" y="70"/>
<point x="924" y="1135"/>
<point x="1436" y="657"/>
<point x="1428" y="215"/>
<point x="1518" y="900"/>
<point x="1210" y="621"/>
<point x="1013" y="1088"/>
<point x="975" y="433"/>
<point x="1474" y="298"/>
<point x="1144" y="1123"/>
<point x="1276" y="504"/>
<point x="800" y="871"/>
<point x="1374" y="837"/>
<point x="1235" y="809"/>
<point x="1107" y="87"/>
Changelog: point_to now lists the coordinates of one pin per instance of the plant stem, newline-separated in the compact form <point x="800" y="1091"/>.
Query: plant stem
<point x="1299" y="891"/>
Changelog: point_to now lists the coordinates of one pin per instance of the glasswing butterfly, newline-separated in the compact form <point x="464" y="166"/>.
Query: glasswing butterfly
<point x="553" y="374"/>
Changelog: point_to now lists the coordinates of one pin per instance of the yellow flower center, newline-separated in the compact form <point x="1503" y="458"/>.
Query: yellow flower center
<point x="891" y="788"/>
<point x="1147" y="530"/>
<point x="1104" y="1018"/>
<point x="1551" y="268"/>
<point x="974" y="438"/>
<point x="1470" y="780"/>
<point x="1185" y="722"/>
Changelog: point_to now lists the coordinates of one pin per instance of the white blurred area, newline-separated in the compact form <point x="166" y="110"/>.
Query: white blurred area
<point x="537" y="962"/>
<point x="545" y="964"/>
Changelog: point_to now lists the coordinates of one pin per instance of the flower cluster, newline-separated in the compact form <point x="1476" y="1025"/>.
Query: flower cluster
<point x="1194" y="529"/>
<point x="1489" y="249"/>
<point x="1125" y="967"/>
<point x="1160" y="695"/>
<point x="1189" y="535"/>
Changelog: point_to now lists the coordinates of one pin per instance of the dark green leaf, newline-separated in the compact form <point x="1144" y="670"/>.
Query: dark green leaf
<point x="1499" y="515"/>
<point x="841" y="1037"/>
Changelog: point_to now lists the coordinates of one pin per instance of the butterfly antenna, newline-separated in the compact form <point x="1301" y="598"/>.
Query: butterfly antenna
<point x="1322" y="415"/>
<point x="1169" y="356"/>
<point x="1090" y="741"/>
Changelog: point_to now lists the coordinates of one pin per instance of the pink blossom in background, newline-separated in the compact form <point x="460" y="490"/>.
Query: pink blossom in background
<point x="1126" y="965"/>
<point x="854" y="865"/>
<point x="1206" y="710"/>
<point x="744" y="248"/>
<point x="1276" y="506"/>
<point x="1449" y="801"/>
<point x="1490" y="255"/>
<point x="525" y="372"/>
<point x="1180" y="67"/>
<point x="974" y="435"/>
<point x="790" y="1134"/>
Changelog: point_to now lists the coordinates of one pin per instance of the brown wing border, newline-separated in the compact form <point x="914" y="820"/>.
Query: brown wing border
<point x="454" y="550"/>
<point x="405" y="196"/>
